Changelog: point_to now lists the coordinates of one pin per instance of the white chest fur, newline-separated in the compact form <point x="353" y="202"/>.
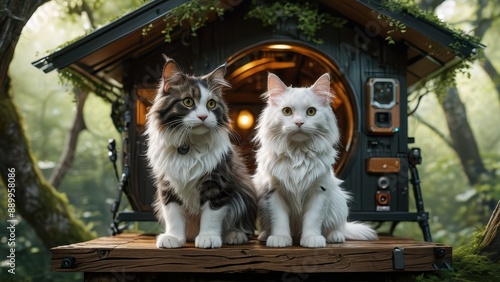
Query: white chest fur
<point x="184" y="171"/>
<point x="298" y="170"/>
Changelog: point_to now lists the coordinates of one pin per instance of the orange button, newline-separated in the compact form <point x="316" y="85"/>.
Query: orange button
<point x="383" y="165"/>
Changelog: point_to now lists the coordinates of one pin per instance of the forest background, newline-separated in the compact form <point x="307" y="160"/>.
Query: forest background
<point x="459" y="199"/>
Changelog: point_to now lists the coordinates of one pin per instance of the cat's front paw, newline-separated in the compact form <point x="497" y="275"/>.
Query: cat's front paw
<point x="315" y="241"/>
<point x="168" y="241"/>
<point x="235" y="237"/>
<point x="336" y="237"/>
<point x="278" y="241"/>
<point x="207" y="241"/>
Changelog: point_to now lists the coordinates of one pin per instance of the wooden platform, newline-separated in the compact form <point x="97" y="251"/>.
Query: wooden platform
<point x="137" y="253"/>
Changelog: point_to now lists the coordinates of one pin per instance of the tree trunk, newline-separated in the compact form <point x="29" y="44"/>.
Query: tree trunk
<point x="491" y="71"/>
<point x="13" y="17"/>
<point x="462" y="136"/>
<point x="35" y="200"/>
<point x="46" y="210"/>
<point x="68" y="154"/>
<point x="482" y="24"/>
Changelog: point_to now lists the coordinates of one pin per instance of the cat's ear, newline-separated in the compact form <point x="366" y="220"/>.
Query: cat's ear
<point x="322" y="89"/>
<point x="171" y="73"/>
<point x="216" y="77"/>
<point x="275" y="88"/>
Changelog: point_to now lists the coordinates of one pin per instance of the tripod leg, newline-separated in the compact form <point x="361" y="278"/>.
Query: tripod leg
<point x="415" y="158"/>
<point x="426" y="230"/>
<point x="393" y="227"/>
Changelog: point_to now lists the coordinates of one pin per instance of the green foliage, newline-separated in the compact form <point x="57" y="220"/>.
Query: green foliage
<point x="477" y="202"/>
<point x="90" y="184"/>
<point x="308" y="16"/>
<point x="411" y="7"/>
<point x="195" y="14"/>
<point x="47" y="111"/>
<point x="468" y="265"/>
<point x="439" y="84"/>
<point x="94" y="13"/>
<point x="456" y="210"/>
<point x="396" y="26"/>
<point x="104" y="90"/>
<point x="448" y="78"/>
<point x="31" y="256"/>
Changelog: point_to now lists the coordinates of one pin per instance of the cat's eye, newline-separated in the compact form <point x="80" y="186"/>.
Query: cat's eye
<point x="211" y="104"/>
<point x="188" y="102"/>
<point x="311" y="111"/>
<point x="287" y="111"/>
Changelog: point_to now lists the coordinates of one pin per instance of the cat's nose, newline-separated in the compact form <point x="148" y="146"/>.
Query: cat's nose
<point x="203" y="117"/>
<point x="299" y="123"/>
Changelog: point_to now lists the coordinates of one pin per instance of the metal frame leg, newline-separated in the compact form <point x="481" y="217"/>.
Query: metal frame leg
<point x="415" y="158"/>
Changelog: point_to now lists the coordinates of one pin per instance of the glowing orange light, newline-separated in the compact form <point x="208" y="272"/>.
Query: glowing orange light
<point x="280" y="46"/>
<point x="245" y="119"/>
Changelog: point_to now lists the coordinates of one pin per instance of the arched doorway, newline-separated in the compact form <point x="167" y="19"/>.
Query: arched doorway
<point x="296" y="65"/>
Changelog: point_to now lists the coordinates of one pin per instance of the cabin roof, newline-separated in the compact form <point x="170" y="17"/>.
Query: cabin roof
<point x="101" y="54"/>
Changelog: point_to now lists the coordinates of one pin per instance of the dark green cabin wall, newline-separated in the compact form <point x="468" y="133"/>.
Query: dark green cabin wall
<point x="358" y="53"/>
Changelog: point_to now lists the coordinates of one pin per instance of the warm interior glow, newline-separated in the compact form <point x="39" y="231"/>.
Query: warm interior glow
<point x="280" y="46"/>
<point x="245" y="120"/>
<point x="143" y="103"/>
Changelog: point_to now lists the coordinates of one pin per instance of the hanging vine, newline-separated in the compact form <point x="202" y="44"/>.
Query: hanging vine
<point x="411" y="7"/>
<point x="310" y="19"/>
<point x="108" y="93"/>
<point x="194" y="14"/>
<point x="447" y="78"/>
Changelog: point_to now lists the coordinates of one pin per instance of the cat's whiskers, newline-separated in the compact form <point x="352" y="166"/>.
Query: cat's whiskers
<point x="233" y="135"/>
<point x="179" y="135"/>
<point x="172" y="124"/>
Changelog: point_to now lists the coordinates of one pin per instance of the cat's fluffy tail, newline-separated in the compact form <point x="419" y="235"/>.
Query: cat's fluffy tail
<point x="359" y="231"/>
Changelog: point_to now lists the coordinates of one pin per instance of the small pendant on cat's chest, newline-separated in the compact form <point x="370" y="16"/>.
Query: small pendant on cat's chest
<point x="183" y="150"/>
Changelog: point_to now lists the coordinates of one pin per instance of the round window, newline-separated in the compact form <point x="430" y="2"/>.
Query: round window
<point x="296" y="65"/>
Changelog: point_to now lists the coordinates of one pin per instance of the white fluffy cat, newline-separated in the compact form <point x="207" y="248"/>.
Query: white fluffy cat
<point x="300" y="199"/>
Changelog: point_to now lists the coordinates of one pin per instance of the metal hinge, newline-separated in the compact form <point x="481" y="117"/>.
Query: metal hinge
<point x="398" y="259"/>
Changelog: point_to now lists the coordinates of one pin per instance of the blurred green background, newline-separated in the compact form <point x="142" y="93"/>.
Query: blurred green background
<point x="456" y="207"/>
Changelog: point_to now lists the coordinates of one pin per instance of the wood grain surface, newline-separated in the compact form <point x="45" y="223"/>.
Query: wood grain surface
<point x="138" y="253"/>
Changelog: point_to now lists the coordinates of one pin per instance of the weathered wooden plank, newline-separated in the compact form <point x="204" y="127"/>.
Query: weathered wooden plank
<point x="138" y="253"/>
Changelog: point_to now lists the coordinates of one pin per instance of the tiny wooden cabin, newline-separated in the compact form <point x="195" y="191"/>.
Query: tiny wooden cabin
<point x="371" y="80"/>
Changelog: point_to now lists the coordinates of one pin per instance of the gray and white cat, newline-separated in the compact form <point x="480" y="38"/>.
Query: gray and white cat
<point x="204" y="191"/>
<point x="300" y="199"/>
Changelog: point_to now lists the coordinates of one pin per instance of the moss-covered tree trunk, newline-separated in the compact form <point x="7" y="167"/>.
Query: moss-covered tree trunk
<point x="47" y="211"/>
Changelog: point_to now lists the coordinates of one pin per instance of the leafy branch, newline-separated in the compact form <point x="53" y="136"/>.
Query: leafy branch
<point x="396" y="26"/>
<point x="411" y="7"/>
<point x="194" y="14"/>
<point x="310" y="20"/>
<point x="107" y="92"/>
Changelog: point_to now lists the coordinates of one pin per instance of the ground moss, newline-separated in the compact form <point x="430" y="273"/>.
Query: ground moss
<point x="468" y="265"/>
